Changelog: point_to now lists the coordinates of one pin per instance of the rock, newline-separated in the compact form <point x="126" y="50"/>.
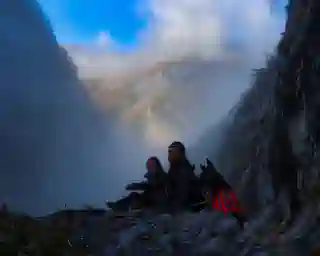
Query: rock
<point x="214" y="246"/>
<point x="165" y="243"/>
<point x="128" y="236"/>
<point x="225" y="225"/>
<point x="260" y="254"/>
<point x="302" y="225"/>
<point x="316" y="252"/>
<point x="110" y="251"/>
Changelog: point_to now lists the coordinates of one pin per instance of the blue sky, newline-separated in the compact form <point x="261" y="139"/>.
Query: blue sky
<point x="80" y="21"/>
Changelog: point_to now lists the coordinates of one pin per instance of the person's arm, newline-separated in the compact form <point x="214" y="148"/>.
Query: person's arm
<point x="138" y="186"/>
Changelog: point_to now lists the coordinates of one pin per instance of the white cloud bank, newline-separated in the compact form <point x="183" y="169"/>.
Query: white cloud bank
<point x="180" y="30"/>
<point x="185" y="28"/>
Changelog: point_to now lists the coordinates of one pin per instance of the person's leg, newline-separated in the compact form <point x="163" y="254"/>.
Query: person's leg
<point x="145" y="200"/>
<point x="237" y="209"/>
<point x="241" y="219"/>
<point x="125" y="203"/>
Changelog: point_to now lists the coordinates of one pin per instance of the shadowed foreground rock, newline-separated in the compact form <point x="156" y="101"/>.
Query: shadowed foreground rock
<point x="99" y="232"/>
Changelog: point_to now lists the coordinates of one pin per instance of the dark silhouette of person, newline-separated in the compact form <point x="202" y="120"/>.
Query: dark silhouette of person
<point x="213" y="184"/>
<point x="153" y="195"/>
<point x="181" y="183"/>
<point x="283" y="166"/>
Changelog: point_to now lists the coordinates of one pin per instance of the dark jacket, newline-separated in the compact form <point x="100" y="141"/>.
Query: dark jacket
<point x="212" y="180"/>
<point x="154" y="189"/>
<point x="180" y="184"/>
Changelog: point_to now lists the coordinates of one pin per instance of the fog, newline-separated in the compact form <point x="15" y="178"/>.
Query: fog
<point x="189" y="68"/>
<point x="192" y="63"/>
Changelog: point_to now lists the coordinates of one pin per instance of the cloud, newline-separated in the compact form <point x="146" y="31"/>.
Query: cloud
<point x="204" y="27"/>
<point x="184" y="27"/>
<point x="104" y="39"/>
<point x="178" y="31"/>
<point x="192" y="62"/>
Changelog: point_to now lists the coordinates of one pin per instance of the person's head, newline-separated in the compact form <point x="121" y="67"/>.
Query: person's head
<point x="153" y="165"/>
<point x="176" y="152"/>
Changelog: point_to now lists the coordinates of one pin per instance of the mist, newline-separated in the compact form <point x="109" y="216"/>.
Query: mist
<point x="192" y="63"/>
<point x="75" y="137"/>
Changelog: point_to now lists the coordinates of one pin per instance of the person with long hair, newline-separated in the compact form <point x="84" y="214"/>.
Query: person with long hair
<point x="153" y="195"/>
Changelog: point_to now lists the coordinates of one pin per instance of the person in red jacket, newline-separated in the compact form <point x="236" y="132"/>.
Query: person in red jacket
<point x="223" y="198"/>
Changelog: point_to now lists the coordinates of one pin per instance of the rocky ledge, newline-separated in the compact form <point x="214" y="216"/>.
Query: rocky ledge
<point x="101" y="232"/>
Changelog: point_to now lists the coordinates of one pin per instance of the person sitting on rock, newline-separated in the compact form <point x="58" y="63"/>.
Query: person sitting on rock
<point x="220" y="194"/>
<point x="153" y="189"/>
<point x="181" y="185"/>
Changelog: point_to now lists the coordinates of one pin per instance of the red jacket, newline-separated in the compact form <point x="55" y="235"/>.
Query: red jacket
<point x="226" y="201"/>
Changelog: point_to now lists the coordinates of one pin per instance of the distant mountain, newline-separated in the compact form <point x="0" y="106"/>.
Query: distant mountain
<point x="177" y="95"/>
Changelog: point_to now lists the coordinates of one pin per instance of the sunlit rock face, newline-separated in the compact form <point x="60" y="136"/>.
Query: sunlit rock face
<point x="51" y="143"/>
<point x="174" y="100"/>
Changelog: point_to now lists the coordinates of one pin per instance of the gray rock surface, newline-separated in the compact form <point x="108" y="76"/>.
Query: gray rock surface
<point x="205" y="233"/>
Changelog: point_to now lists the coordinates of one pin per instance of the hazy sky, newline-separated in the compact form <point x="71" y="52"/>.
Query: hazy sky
<point x="166" y="31"/>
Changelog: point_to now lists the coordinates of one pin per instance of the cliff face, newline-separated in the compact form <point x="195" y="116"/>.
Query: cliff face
<point x="283" y="97"/>
<point x="47" y="122"/>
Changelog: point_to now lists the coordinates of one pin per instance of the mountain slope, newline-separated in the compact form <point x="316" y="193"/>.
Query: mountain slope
<point x="283" y="94"/>
<point x="48" y="122"/>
